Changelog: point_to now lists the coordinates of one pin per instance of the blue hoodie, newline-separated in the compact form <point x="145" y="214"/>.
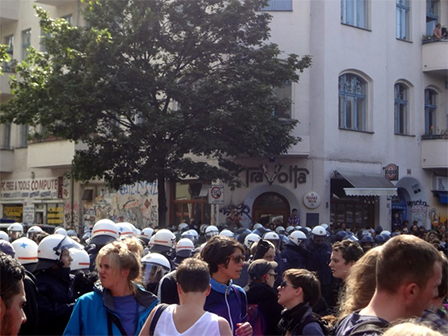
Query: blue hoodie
<point x="227" y="301"/>
<point x="89" y="316"/>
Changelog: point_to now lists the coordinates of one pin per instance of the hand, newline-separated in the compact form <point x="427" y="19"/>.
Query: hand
<point x="244" y="329"/>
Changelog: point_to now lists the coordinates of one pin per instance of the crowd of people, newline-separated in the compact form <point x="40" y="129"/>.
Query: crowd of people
<point x="229" y="280"/>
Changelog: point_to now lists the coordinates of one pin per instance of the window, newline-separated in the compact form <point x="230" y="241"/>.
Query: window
<point x="401" y="109"/>
<point x="354" y="13"/>
<point x="189" y="201"/>
<point x="279" y="5"/>
<point x="9" y="41"/>
<point x="6" y="139"/>
<point x="430" y="111"/>
<point x="284" y="92"/>
<point x="403" y="9"/>
<point x="432" y="15"/>
<point x="26" y="42"/>
<point x="23" y="133"/>
<point x="68" y="18"/>
<point x="352" y="103"/>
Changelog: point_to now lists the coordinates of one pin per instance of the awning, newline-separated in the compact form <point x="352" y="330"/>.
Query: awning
<point x="368" y="184"/>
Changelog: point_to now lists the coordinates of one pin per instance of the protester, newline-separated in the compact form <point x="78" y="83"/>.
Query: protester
<point x="225" y="257"/>
<point x="12" y="295"/>
<point x="118" y="305"/>
<point x="260" y="292"/>
<point x="435" y="314"/>
<point x="343" y="256"/>
<point x="360" y="284"/>
<point x="189" y="317"/>
<point x="298" y="292"/>
<point x="407" y="275"/>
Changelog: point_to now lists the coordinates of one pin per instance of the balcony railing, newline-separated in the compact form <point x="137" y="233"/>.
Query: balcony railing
<point x="435" y="151"/>
<point x="434" y="58"/>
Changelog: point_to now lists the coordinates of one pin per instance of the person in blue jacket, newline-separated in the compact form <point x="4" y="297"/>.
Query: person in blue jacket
<point x="118" y="305"/>
<point x="225" y="257"/>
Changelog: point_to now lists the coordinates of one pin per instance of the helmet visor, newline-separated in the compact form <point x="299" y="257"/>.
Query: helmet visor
<point x="153" y="273"/>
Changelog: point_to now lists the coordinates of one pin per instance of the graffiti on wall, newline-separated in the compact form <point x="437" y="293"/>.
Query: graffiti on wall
<point x="437" y="217"/>
<point x="419" y="211"/>
<point x="136" y="204"/>
<point x="243" y="211"/>
<point x="71" y="215"/>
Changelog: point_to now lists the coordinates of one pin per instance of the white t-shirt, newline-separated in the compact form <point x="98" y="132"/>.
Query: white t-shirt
<point x="207" y="324"/>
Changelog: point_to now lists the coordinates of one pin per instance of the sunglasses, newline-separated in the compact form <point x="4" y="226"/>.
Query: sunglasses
<point x="283" y="284"/>
<point x="237" y="259"/>
<point x="273" y="274"/>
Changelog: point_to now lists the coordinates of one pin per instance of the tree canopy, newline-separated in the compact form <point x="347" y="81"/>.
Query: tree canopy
<point x="151" y="85"/>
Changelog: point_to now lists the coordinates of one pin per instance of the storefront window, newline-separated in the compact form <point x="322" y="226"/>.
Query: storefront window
<point x="189" y="203"/>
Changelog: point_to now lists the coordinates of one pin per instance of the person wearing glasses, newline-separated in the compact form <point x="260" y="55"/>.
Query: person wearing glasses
<point x="225" y="257"/>
<point x="298" y="292"/>
<point x="261" y="292"/>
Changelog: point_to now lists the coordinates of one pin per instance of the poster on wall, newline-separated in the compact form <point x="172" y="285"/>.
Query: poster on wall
<point x="136" y="204"/>
<point x="28" y="213"/>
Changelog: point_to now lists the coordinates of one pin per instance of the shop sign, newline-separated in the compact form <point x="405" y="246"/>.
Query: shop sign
<point x="28" y="213"/>
<point x="391" y="172"/>
<point x="55" y="215"/>
<point x="29" y="188"/>
<point x="216" y="194"/>
<point x="441" y="183"/>
<point x="14" y="212"/>
<point x="293" y="174"/>
<point x="311" y="200"/>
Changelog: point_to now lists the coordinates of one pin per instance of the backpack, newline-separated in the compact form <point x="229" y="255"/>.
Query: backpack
<point x="313" y="317"/>
<point x="256" y="320"/>
<point x="374" y="327"/>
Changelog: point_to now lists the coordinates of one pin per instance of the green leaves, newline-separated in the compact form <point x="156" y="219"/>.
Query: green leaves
<point x="149" y="85"/>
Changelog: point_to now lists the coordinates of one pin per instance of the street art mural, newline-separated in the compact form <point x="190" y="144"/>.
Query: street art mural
<point x="136" y="204"/>
<point x="243" y="211"/>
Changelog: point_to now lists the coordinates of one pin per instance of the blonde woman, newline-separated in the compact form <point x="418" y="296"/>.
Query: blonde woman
<point x="360" y="283"/>
<point x="117" y="305"/>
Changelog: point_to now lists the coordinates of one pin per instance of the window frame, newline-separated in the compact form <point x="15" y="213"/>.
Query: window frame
<point x="401" y="110"/>
<point x="430" y="111"/>
<point x="403" y="11"/>
<point x="278" y="6"/>
<point x="354" y="97"/>
<point x="355" y="17"/>
<point x="26" y="42"/>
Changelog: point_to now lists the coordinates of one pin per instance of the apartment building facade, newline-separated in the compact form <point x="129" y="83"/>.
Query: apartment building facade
<point x="373" y="112"/>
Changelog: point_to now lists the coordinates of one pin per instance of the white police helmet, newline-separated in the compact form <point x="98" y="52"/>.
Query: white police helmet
<point x="80" y="260"/>
<point x="26" y="250"/>
<point x="211" y="231"/>
<point x="50" y="250"/>
<point x="250" y="239"/>
<point x="33" y="231"/>
<point x="125" y="229"/>
<point x="104" y="231"/>
<point x="155" y="266"/>
<point x="184" y="247"/>
<point x="182" y="227"/>
<point x="165" y="238"/>
<point x="297" y="237"/>
<point x="227" y="233"/>
<point x="257" y="226"/>
<point x="191" y="234"/>
<point x="319" y="231"/>
<point x="271" y="236"/>
<point x="61" y="231"/>
<point x="4" y="236"/>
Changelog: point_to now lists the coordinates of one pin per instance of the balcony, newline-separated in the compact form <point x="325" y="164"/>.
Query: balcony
<point x="434" y="60"/>
<point x="9" y="11"/>
<point x="51" y="153"/>
<point x="435" y="152"/>
<point x="55" y="3"/>
<point x="6" y="160"/>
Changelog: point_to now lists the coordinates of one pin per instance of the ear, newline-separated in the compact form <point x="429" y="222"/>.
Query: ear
<point x="298" y="292"/>
<point x="208" y="290"/>
<point x="179" y="289"/>
<point x="411" y="291"/>
<point x="351" y="263"/>
<point x="125" y="273"/>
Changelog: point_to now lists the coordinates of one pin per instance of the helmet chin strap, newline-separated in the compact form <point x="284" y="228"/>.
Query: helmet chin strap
<point x="58" y="247"/>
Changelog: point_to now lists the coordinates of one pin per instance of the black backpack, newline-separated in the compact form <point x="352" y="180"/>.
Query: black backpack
<point x="369" y="327"/>
<point x="309" y="319"/>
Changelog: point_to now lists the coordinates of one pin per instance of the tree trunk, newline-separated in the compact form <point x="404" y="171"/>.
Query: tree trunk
<point x="161" y="197"/>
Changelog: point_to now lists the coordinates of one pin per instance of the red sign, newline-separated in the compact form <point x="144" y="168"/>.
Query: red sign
<point x="391" y="172"/>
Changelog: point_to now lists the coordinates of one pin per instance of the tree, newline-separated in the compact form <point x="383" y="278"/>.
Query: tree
<point x="151" y="85"/>
<point x="4" y="57"/>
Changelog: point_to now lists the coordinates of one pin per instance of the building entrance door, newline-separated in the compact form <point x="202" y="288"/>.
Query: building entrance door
<point x="268" y="205"/>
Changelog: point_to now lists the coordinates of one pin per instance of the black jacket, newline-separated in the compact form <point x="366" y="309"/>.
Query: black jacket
<point x="31" y="308"/>
<point x="266" y="298"/>
<point x="55" y="300"/>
